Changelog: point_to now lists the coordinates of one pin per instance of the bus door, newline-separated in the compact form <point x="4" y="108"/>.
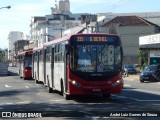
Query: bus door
<point x="45" y="66"/>
<point x="23" y="65"/>
<point x="66" y="66"/>
<point x="38" y="55"/>
<point x="20" y="65"/>
<point x="52" y="67"/>
<point x="33" y="69"/>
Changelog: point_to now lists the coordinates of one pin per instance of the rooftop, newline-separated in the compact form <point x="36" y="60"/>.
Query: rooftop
<point x="128" y="21"/>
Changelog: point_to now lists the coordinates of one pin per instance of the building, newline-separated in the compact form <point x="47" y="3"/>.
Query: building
<point x="13" y="37"/>
<point x="150" y="45"/>
<point x="55" y="25"/>
<point x="19" y="46"/>
<point x="129" y="28"/>
<point x="37" y="23"/>
<point x="64" y="6"/>
<point x="62" y="22"/>
<point x="149" y="16"/>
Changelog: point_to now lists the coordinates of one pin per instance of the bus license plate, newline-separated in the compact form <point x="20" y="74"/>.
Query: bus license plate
<point x="96" y="90"/>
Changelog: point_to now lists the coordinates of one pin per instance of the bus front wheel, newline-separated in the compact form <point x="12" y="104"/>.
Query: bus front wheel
<point x="66" y="96"/>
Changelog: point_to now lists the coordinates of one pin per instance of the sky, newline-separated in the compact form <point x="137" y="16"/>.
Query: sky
<point x="18" y="17"/>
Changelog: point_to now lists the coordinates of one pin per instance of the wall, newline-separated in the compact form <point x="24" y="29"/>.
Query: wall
<point x="3" y="68"/>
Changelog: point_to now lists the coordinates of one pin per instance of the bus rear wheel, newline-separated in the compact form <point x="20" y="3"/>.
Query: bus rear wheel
<point x="50" y="90"/>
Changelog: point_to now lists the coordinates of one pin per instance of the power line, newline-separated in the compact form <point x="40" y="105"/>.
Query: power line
<point x="115" y="5"/>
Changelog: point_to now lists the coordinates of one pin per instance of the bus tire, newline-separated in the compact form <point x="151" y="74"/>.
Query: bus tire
<point x="62" y="88"/>
<point x="66" y="96"/>
<point x="24" y="78"/>
<point x="36" y="81"/>
<point x="50" y="90"/>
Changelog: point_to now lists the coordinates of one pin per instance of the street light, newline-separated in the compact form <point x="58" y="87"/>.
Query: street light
<point x="8" y="7"/>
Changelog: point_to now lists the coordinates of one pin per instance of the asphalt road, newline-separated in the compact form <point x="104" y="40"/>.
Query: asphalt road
<point x="22" y="96"/>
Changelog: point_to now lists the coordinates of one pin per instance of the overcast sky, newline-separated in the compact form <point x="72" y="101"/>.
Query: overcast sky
<point x="18" y="17"/>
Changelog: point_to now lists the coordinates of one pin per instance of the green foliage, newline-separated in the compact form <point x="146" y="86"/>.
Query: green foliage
<point x="143" y="58"/>
<point x="2" y="55"/>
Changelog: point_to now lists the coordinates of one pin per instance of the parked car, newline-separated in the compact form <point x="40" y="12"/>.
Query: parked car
<point x="150" y="73"/>
<point x="129" y="68"/>
<point x="137" y="67"/>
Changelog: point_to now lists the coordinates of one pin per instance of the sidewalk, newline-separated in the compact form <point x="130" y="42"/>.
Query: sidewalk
<point x="132" y="77"/>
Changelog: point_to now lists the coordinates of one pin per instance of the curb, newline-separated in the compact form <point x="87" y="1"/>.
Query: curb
<point x="131" y="77"/>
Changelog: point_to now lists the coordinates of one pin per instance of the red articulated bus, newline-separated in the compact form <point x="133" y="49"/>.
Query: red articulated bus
<point x="25" y="64"/>
<point x="83" y="64"/>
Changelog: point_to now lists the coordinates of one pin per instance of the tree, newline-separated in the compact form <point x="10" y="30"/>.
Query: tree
<point x="143" y="58"/>
<point x="2" y="54"/>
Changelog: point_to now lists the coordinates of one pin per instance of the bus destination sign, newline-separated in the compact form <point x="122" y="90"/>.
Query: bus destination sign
<point x="91" y="39"/>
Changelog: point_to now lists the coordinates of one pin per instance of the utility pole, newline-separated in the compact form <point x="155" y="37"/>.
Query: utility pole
<point x="61" y="29"/>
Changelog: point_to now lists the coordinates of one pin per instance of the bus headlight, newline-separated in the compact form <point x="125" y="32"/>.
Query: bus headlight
<point x="116" y="83"/>
<point x="75" y="83"/>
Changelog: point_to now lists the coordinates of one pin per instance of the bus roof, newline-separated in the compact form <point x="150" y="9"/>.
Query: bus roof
<point x="24" y="52"/>
<point x="105" y="34"/>
<point x="56" y="40"/>
<point x="38" y="48"/>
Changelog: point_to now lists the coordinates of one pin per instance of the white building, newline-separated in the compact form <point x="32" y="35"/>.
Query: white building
<point x="44" y="29"/>
<point x="37" y="23"/>
<point x="64" y="6"/>
<point x="12" y="37"/>
<point x="50" y="27"/>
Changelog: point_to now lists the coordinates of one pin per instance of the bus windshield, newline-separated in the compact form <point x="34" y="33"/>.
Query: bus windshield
<point x="28" y="61"/>
<point x="95" y="58"/>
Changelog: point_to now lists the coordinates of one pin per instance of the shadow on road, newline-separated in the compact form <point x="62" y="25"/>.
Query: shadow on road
<point x="11" y="73"/>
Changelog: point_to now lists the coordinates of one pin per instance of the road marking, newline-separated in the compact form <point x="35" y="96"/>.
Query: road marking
<point x="25" y="102"/>
<point x="38" y="94"/>
<point x="127" y="85"/>
<point x="8" y="86"/>
<point x="9" y="103"/>
<point x="57" y="100"/>
<point x="6" y="103"/>
<point x="139" y="99"/>
<point x="147" y="91"/>
<point x="26" y="86"/>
